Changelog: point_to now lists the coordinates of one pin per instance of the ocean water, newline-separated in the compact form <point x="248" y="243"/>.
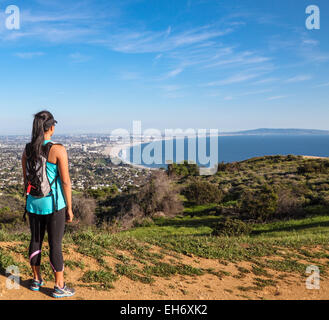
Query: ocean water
<point x="227" y="149"/>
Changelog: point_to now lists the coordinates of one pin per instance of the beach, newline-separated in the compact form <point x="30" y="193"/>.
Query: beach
<point x="239" y="148"/>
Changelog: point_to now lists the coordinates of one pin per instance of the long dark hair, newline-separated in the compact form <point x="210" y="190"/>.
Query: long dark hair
<point x="42" y="122"/>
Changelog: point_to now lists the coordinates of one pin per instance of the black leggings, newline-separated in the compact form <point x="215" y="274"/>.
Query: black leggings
<point x="55" y="224"/>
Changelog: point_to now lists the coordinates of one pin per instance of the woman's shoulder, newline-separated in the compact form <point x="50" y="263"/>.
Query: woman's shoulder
<point x="58" y="148"/>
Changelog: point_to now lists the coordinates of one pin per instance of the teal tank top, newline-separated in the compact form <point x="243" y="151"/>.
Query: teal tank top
<point x="45" y="205"/>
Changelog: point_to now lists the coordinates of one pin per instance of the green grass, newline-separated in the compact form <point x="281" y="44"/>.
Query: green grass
<point x="199" y="210"/>
<point x="193" y="235"/>
<point x="291" y="241"/>
<point x="165" y="270"/>
<point x="103" y="277"/>
<point x="262" y="283"/>
<point x="312" y="227"/>
<point x="71" y="264"/>
<point x="7" y="260"/>
<point x="131" y="272"/>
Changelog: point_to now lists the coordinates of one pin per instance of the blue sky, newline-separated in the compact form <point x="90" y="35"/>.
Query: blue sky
<point x="98" y="65"/>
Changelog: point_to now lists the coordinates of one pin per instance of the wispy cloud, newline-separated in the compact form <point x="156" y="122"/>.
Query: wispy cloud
<point x="298" y="78"/>
<point x="310" y="42"/>
<point x="173" y="73"/>
<point x="174" y="95"/>
<point x="248" y="93"/>
<point x="243" y="58"/>
<point x="29" y="55"/>
<point x="78" y="57"/>
<point x="276" y="98"/>
<point x="170" y="87"/>
<point x="128" y="75"/>
<point x="322" y="85"/>
<point x="266" y="80"/>
<point x="233" y="79"/>
<point x="159" y="41"/>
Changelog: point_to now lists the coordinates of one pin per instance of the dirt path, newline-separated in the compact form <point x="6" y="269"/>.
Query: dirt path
<point x="315" y="157"/>
<point x="231" y="284"/>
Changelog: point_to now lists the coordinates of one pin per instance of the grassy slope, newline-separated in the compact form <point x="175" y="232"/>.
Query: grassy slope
<point x="295" y="243"/>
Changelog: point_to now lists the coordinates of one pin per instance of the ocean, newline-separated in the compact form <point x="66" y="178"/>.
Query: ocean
<point x="227" y="149"/>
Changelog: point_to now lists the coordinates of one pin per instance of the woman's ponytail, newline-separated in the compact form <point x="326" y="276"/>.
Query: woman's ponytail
<point x="41" y="123"/>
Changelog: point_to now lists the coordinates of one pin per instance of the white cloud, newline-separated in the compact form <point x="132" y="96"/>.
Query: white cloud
<point x="322" y="85"/>
<point x="159" y="41"/>
<point x="255" y="92"/>
<point x="168" y="31"/>
<point x="174" y="73"/>
<point x="298" y="78"/>
<point x="310" y="42"/>
<point x="266" y="80"/>
<point x="243" y="58"/>
<point x="174" y="95"/>
<point x="233" y="79"/>
<point x="158" y="56"/>
<point x="170" y="88"/>
<point x="28" y="55"/>
<point x="276" y="98"/>
<point x="78" y="57"/>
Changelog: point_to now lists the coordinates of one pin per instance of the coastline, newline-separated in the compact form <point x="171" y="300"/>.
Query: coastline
<point x="115" y="150"/>
<point x="114" y="153"/>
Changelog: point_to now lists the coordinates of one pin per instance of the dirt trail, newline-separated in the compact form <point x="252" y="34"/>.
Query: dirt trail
<point x="208" y="286"/>
<point x="315" y="157"/>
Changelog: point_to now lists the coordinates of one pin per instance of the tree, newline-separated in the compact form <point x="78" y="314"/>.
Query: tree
<point x="202" y="192"/>
<point x="260" y="204"/>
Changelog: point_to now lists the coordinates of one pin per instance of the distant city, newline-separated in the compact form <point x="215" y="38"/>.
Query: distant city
<point x="90" y="168"/>
<point x="91" y="156"/>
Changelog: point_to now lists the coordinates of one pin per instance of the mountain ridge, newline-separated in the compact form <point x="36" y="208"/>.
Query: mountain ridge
<point x="292" y="131"/>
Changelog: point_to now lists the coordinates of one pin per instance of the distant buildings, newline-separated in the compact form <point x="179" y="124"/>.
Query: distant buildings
<point x="89" y="167"/>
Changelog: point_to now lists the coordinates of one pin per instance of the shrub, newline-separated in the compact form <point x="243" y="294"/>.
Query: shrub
<point x="289" y="203"/>
<point x="313" y="167"/>
<point x="84" y="209"/>
<point x="259" y="204"/>
<point x="229" y="167"/>
<point x="202" y="192"/>
<point x="102" y="193"/>
<point x="183" y="169"/>
<point x="157" y="195"/>
<point x="231" y="227"/>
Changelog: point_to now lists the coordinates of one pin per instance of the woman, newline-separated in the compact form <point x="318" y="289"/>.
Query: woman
<point x="48" y="212"/>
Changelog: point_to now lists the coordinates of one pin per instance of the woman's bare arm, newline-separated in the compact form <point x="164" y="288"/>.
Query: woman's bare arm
<point x="24" y="167"/>
<point x="63" y="167"/>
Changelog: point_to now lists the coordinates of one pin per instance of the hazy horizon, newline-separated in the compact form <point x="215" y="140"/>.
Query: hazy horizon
<point x="220" y="132"/>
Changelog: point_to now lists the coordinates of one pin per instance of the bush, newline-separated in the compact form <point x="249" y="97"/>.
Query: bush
<point x="313" y="167"/>
<point x="231" y="227"/>
<point x="12" y="220"/>
<point x="289" y="203"/>
<point x="229" y="167"/>
<point x="84" y="209"/>
<point x="202" y="192"/>
<point x="102" y="193"/>
<point x="157" y="196"/>
<point x="259" y="204"/>
<point x="183" y="169"/>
